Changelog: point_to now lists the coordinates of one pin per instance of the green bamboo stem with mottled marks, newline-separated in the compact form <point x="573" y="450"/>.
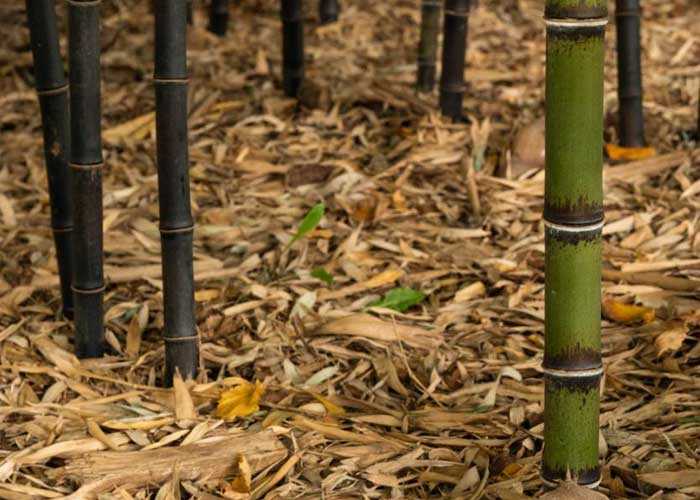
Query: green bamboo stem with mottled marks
<point x="573" y="226"/>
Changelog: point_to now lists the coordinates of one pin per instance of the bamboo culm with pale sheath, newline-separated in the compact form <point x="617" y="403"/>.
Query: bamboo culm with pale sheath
<point x="454" y="50"/>
<point x="629" y="73"/>
<point x="427" y="47"/>
<point x="52" y="90"/>
<point x="86" y="175"/>
<point x="573" y="217"/>
<point x="292" y="16"/>
<point x="176" y="223"/>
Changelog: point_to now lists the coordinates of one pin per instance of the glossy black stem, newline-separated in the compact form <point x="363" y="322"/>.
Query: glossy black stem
<point x="86" y="175"/>
<point x="328" y="11"/>
<point x="52" y="89"/>
<point x="454" y="50"/>
<point x="427" y="47"/>
<point x="292" y="46"/>
<point x="176" y="224"/>
<point x="629" y="73"/>
<point x="218" y="17"/>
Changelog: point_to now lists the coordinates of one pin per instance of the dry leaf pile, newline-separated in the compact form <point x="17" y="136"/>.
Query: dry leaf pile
<point x="325" y="396"/>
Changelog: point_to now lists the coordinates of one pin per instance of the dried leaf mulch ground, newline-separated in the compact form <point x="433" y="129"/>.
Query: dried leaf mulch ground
<point x="442" y="400"/>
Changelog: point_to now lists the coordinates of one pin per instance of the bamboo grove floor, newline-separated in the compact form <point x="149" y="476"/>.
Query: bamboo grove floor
<point x="444" y="400"/>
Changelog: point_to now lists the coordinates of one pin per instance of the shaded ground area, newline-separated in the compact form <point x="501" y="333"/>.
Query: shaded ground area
<point x="444" y="399"/>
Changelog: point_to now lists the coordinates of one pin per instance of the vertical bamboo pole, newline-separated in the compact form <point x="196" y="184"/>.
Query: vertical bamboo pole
<point x="573" y="216"/>
<point x="176" y="224"/>
<point x="218" y="17"/>
<point x="328" y="11"/>
<point x="86" y="173"/>
<point x="52" y="89"/>
<point x="427" y="47"/>
<point x="292" y="46"/>
<point x="629" y="73"/>
<point x="454" y="50"/>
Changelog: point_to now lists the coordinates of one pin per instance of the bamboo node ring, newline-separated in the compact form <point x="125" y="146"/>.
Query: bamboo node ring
<point x="189" y="338"/>
<point x="554" y="484"/>
<point x="67" y="229"/>
<point x="84" y="291"/>
<point x="86" y="166"/>
<point x="57" y="90"/>
<point x="84" y="3"/>
<point x="554" y="372"/>
<point x="589" y="228"/>
<point x="176" y="230"/>
<point x="576" y="23"/>
<point x="162" y="81"/>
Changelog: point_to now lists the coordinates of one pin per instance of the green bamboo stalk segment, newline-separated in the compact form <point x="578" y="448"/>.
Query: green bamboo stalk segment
<point x="52" y="89"/>
<point x="86" y="175"/>
<point x="176" y="223"/>
<point x="573" y="216"/>
<point x="427" y="47"/>
<point x="629" y="73"/>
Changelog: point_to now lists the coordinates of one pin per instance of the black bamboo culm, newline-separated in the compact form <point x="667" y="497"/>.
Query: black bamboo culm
<point x="86" y="174"/>
<point x="427" y="48"/>
<point x="454" y="49"/>
<point x="328" y="11"/>
<point x="176" y="224"/>
<point x="190" y="14"/>
<point x="629" y="73"/>
<point x="52" y="89"/>
<point x="218" y="17"/>
<point x="292" y="47"/>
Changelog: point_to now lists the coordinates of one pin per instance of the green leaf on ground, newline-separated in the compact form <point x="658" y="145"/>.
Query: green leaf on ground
<point x="399" y="299"/>
<point x="323" y="275"/>
<point x="309" y="223"/>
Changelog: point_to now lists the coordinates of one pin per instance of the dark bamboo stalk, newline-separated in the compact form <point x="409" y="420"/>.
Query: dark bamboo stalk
<point x="218" y="17"/>
<point x="629" y="73"/>
<point x="52" y="89"/>
<point x="86" y="173"/>
<point x="292" y="47"/>
<point x="328" y="11"/>
<point x="176" y="224"/>
<point x="573" y="217"/>
<point x="454" y="50"/>
<point x="427" y="48"/>
<point x="190" y="13"/>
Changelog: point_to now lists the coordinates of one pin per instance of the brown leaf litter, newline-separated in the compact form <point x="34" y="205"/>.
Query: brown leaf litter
<point x="441" y="401"/>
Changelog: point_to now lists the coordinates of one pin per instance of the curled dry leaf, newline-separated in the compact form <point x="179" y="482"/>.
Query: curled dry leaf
<point x="627" y="313"/>
<point x="241" y="401"/>
<point x="572" y="491"/>
<point x="528" y="148"/>
<point x="670" y="341"/>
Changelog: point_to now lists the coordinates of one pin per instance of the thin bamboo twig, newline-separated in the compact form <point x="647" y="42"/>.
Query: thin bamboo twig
<point x="86" y="172"/>
<point x="176" y="223"/>
<point x="52" y="90"/>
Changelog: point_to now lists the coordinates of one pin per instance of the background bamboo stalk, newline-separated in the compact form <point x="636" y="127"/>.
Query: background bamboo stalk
<point x="573" y="227"/>
<point x="454" y="50"/>
<point x="86" y="174"/>
<point x="218" y="16"/>
<point x="629" y="73"/>
<point x="176" y="224"/>
<point x="52" y="90"/>
<point x="427" y="47"/>
<point x="328" y="11"/>
<point x="292" y="46"/>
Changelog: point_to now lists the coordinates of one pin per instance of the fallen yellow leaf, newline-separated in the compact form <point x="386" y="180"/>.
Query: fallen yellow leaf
<point x="398" y="200"/>
<point x="136" y="128"/>
<point x="627" y="313"/>
<point x="241" y="401"/>
<point x="383" y="278"/>
<point x="206" y="294"/>
<point x="616" y="152"/>
<point x="670" y="341"/>
<point x="240" y="487"/>
<point x="331" y="408"/>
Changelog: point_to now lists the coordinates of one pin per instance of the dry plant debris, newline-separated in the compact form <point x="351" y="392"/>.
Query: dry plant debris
<point x="441" y="400"/>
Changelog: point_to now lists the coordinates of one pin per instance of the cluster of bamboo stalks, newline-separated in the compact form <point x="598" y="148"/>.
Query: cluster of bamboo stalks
<point x="573" y="208"/>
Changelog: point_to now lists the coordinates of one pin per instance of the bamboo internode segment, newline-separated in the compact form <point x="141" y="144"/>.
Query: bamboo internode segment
<point x="52" y="89"/>
<point x="629" y="73"/>
<point x="328" y="11"/>
<point x="292" y="16"/>
<point x="218" y="17"/>
<point x="176" y="223"/>
<point x="454" y="51"/>
<point x="427" y="48"/>
<point x="573" y="228"/>
<point x="86" y="174"/>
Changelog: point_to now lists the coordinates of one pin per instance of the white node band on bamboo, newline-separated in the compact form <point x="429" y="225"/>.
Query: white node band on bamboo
<point x="598" y="226"/>
<point x="554" y="372"/>
<point x="555" y="484"/>
<point x="576" y="23"/>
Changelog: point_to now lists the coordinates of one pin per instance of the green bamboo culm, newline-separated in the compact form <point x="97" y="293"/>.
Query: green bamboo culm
<point x="454" y="51"/>
<point x="176" y="223"/>
<point x="427" y="47"/>
<point x="629" y="73"/>
<point x="52" y="90"/>
<point x="86" y="175"/>
<point x="573" y="216"/>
